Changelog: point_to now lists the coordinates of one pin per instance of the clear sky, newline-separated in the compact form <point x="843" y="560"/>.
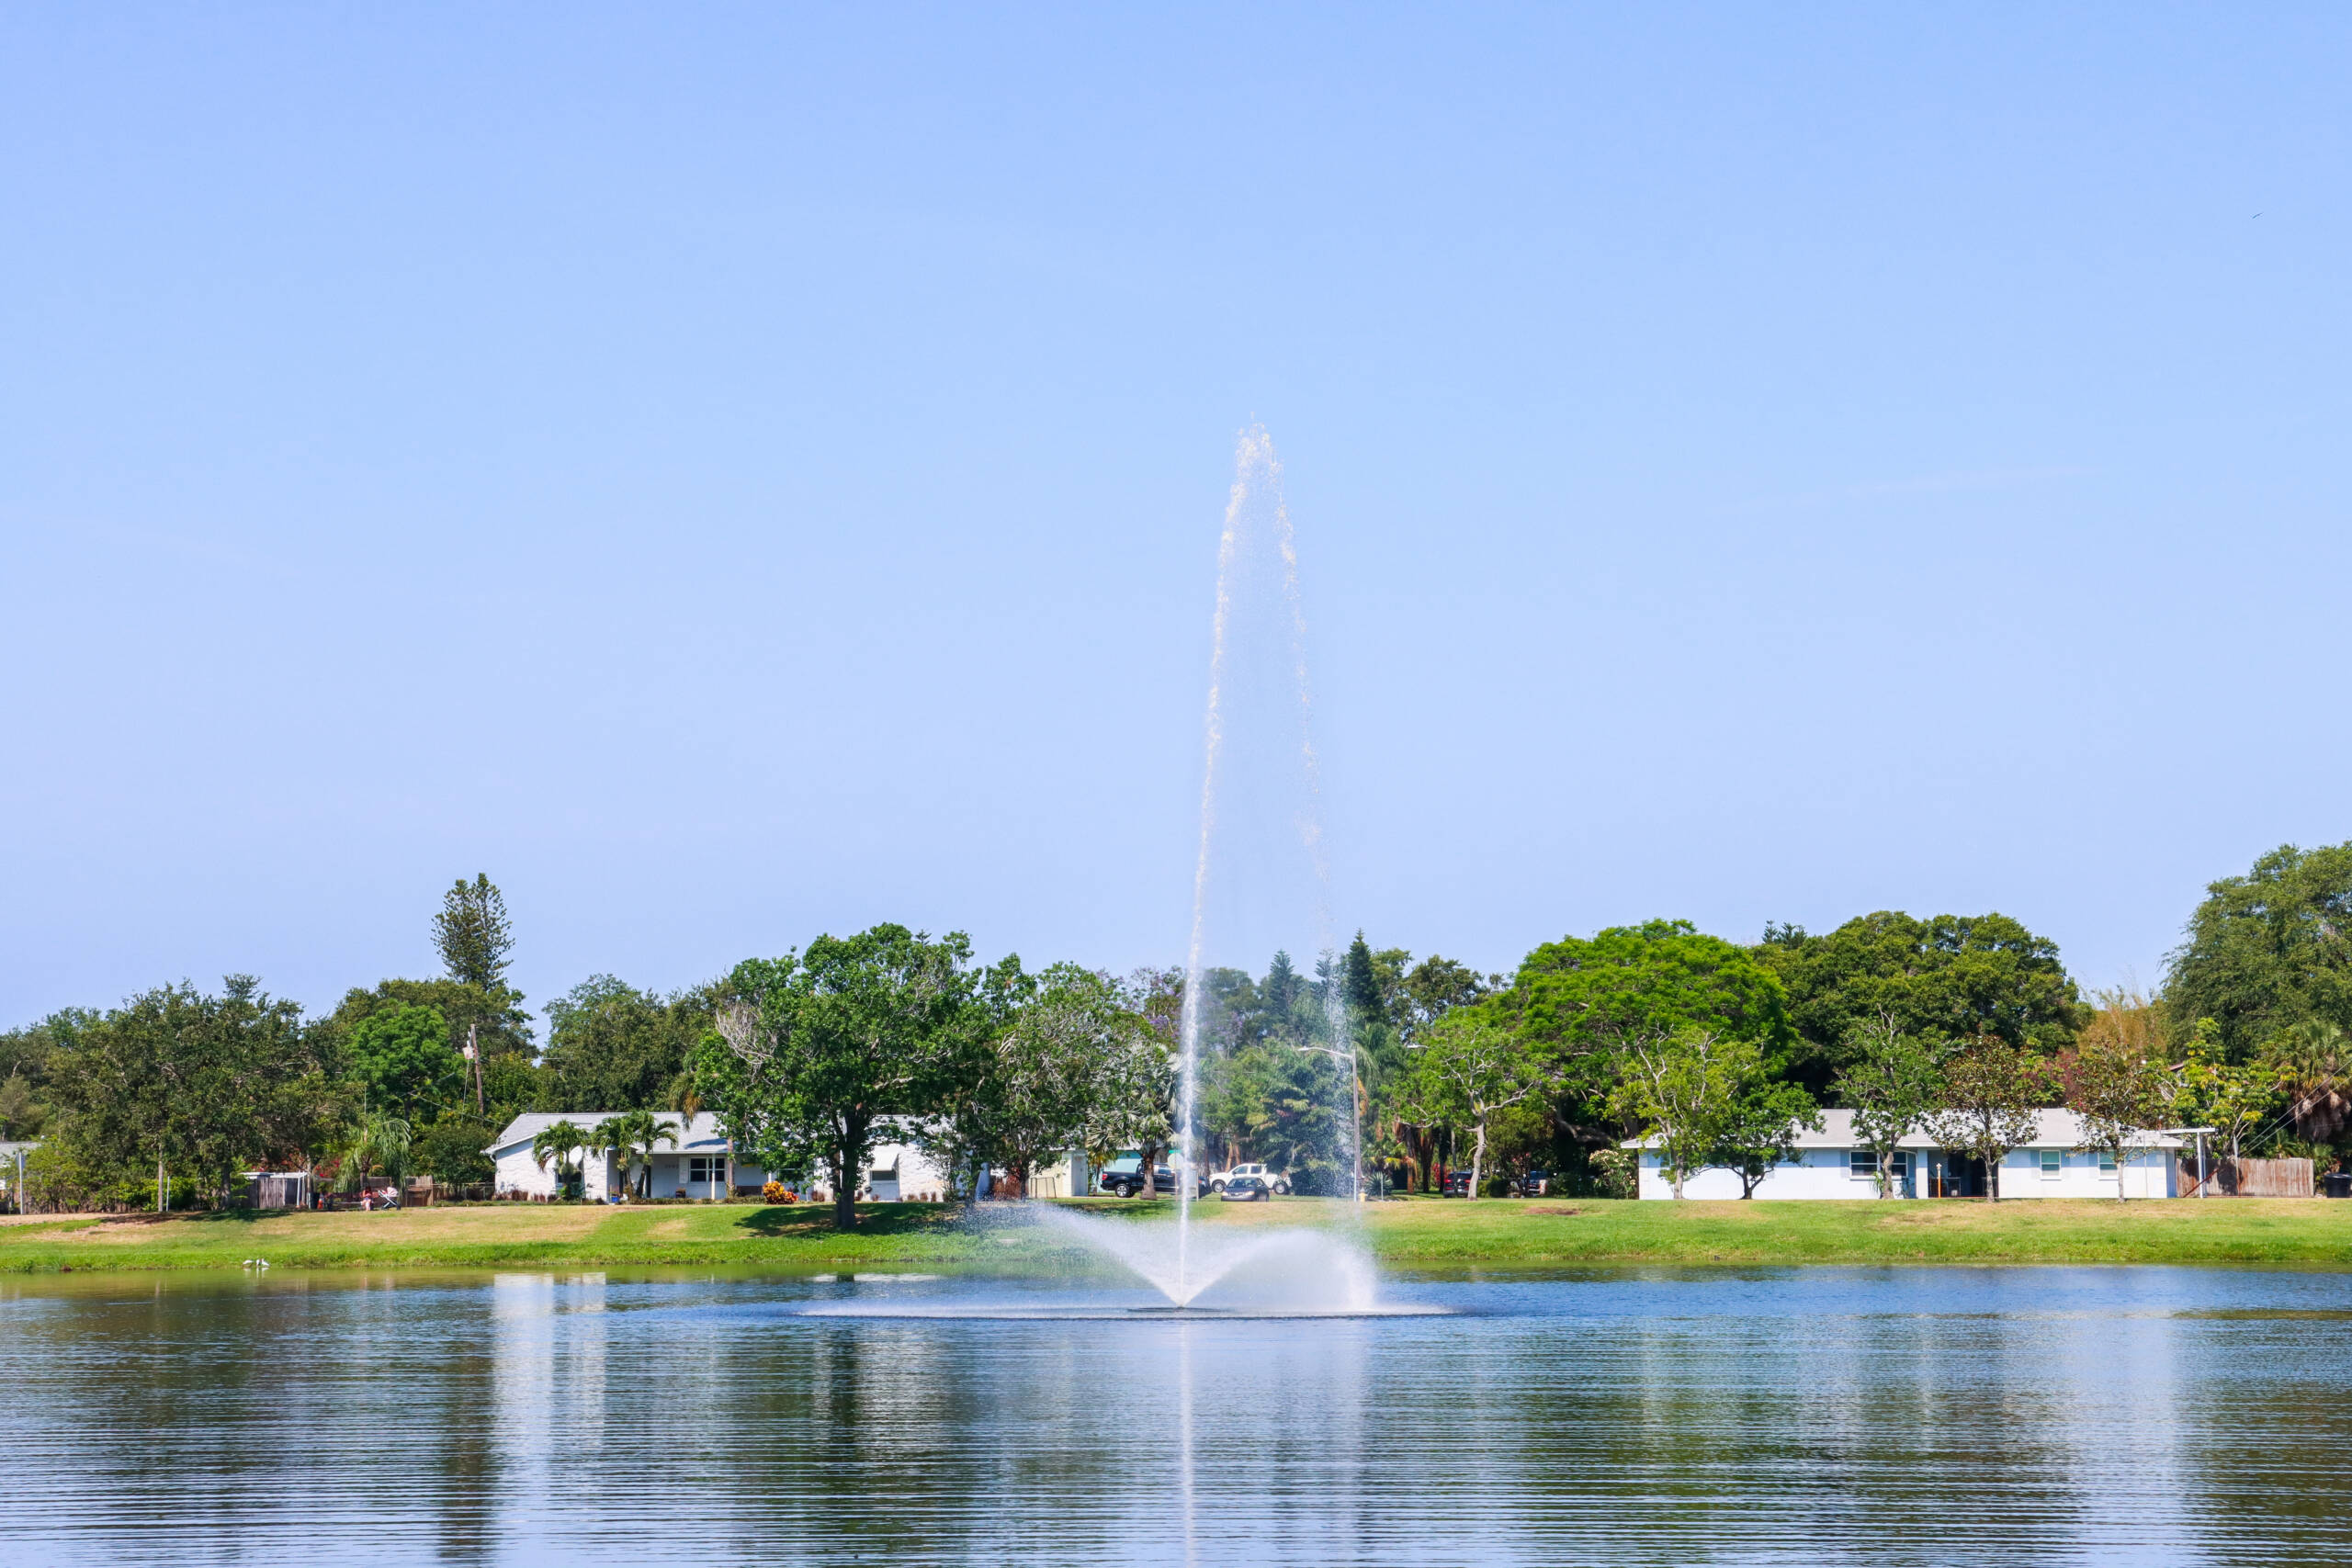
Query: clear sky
<point x="731" y="473"/>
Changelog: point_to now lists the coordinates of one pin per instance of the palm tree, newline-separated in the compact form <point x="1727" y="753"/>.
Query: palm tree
<point x="2313" y="1060"/>
<point x="378" y="1139"/>
<point x="632" y="1135"/>
<point x="685" y="1100"/>
<point x="554" y="1142"/>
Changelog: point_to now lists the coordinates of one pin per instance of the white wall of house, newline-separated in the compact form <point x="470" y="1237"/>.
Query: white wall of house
<point x="1815" y="1173"/>
<point x="901" y="1173"/>
<point x="2026" y="1173"/>
<point x="2070" y="1173"/>
<point x="1068" y="1177"/>
<point x="1831" y="1163"/>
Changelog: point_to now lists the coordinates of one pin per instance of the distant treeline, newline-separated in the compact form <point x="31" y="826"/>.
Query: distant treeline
<point x="1714" y="1045"/>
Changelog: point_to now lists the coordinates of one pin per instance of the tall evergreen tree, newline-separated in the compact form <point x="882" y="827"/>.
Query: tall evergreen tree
<point x="1360" y="985"/>
<point x="474" y="934"/>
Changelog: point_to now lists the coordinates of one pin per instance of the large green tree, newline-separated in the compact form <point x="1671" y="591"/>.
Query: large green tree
<point x="1466" y="1072"/>
<point x="496" y="1023"/>
<point x="2267" y="950"/>
<point x="1273" y="1102"/>
<point x="1044" y="1065"/>
<point x="1585" y="1004"/>
<point x="816" y="1052"/>
<point x="613" y="1047"/>
<point x="401" y="1061"/>
<point x="202" y="1085"/>
<point x="1950" y="978"/>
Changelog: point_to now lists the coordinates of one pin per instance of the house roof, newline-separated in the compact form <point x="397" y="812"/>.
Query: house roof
<point x="2054" y="1130"/>
<point x="10" y="1150"/>
<point x="702" y="1133"/>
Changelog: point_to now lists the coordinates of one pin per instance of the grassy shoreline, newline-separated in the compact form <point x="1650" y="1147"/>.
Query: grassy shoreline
<point x="1499" y="1234"/>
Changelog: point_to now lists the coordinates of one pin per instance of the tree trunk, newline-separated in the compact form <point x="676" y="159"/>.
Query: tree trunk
<point x="1477" y="1160"/>
<point x="1885" y="1173"/>
<point x="845" y="1192"/>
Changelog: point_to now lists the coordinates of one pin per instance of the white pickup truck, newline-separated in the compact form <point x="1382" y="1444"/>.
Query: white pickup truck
<point x="1279" y="1183"/>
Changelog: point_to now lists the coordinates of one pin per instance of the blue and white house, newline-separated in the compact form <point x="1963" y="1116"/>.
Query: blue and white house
<point x="700" y="1163"/>
<point x="1834" y="1163"/>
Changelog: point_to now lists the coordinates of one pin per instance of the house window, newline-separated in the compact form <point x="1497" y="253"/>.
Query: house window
<point x="1861" y="1165"/>
<point x="707" y="1168"/>
<point x="2053" y="1161"/>
<point x="2107" y="1162"/>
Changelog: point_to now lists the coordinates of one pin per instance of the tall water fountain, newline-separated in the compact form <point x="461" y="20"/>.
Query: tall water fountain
<point x="1257" y="651"/>
<point x="1262" y="872"/>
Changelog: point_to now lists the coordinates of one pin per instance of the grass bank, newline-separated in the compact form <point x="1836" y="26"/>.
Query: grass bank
<point x="1417" y="1234"/>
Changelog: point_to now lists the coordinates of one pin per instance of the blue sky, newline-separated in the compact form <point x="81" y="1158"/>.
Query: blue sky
<point x="743" y="472"/>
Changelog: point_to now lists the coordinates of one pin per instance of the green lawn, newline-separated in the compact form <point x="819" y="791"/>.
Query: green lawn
<point x="1417" y="1234"/>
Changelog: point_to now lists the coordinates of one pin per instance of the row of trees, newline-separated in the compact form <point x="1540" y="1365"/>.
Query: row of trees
<point x="1960" y="1027"/>
<point x="168" y="1097"/>
<point x="1372" y="1059"/>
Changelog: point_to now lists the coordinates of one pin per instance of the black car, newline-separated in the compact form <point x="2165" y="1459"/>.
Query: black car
<point x="1532" y="1184"/>
<point x="1128" y="1183"/>
<point x="1248" y="1190"/>
<point x="1456" y="1184"/>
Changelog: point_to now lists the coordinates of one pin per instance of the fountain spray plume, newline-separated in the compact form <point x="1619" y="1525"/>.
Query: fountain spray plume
<point x="1188" y="1031"/>
<point x="1256" y="488"/>
<point x="1310" y="819"/>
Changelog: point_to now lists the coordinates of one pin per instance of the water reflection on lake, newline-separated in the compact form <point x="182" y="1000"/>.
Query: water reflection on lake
<point x="2040" y="1416"/>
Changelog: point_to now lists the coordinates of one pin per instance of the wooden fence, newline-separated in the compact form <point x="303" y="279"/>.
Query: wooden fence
<point x="2250" y="1178"/>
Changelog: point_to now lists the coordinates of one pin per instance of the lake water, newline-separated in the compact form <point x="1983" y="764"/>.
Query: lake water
<point x="1819" y="1415"/>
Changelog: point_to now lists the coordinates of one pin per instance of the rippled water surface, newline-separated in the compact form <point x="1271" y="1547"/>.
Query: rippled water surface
<point x="2016" y="1416"/>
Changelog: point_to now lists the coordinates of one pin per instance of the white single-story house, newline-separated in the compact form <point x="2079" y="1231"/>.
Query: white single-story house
<point x="700" y="1164"/>
<point x="1834" y="1163"/>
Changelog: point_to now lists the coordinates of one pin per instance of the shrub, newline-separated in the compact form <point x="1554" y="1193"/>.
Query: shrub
<point x="1615" y="1172"/>
<point x="776" y="1192"/>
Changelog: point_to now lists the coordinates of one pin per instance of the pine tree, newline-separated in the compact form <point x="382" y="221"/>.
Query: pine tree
<point x="474" y="935"/>
<point x="1360" y="986"/>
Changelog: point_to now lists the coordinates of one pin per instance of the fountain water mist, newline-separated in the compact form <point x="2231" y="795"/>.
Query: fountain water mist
<point x="1287" y="1269"/>
<point x="1256" y="500"/>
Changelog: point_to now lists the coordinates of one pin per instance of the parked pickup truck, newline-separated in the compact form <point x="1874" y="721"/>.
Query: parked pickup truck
<point x="1273" y="1180"/>
<point x="1124" y="1178"/>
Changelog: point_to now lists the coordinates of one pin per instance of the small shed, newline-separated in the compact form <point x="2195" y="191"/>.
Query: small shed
<point x="277" y="1189"/>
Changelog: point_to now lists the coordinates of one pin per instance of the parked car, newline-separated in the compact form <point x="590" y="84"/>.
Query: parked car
<point x="1240" y="1189"/>
<point x="1535" y="1184"/>
<point x="1455" y="1185"/>
<point x="1275" y="1180"/>
<point x="1124" y="1178"/>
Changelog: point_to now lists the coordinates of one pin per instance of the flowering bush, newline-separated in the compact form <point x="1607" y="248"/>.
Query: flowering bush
<point x="776" y="1192"/>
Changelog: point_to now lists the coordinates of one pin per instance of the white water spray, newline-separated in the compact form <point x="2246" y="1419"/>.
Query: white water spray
<point x="1257" y="491"/>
